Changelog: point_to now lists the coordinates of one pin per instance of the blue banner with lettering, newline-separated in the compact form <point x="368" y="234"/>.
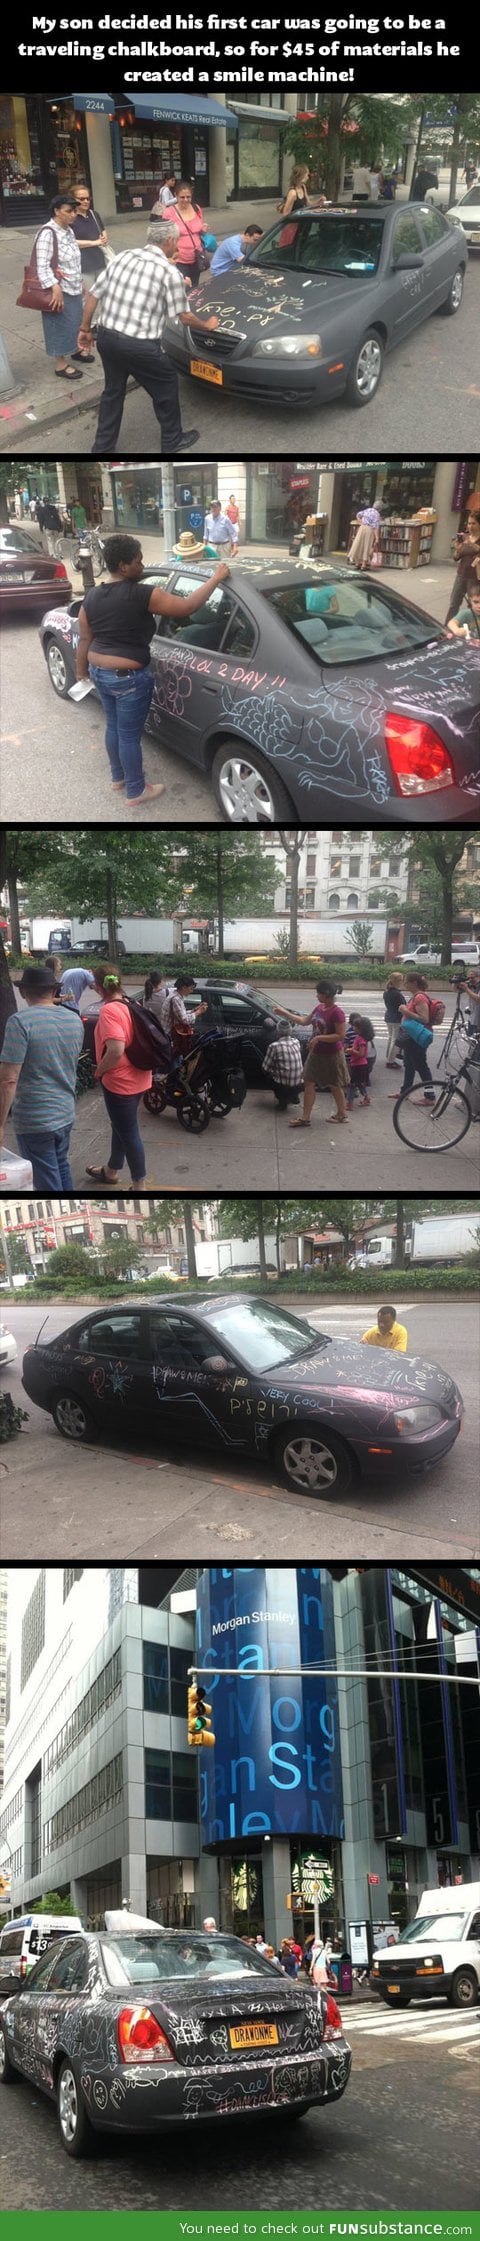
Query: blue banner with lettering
<point x="276" y="1764"/>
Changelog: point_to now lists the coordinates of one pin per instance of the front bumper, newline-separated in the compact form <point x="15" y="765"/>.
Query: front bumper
<point x="412" y="1987"/>
<point x="411" y="1455"/>
<point x="287" y="381"/>
<point x="134" y="2100"/>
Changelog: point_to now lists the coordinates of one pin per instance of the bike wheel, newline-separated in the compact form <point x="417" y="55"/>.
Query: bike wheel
<point x="432" y="1126"/>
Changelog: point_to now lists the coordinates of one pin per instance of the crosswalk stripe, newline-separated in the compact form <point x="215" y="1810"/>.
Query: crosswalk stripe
<point x="424" y="2026"/>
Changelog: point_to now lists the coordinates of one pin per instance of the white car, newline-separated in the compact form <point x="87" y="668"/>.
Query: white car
<point x="8" y="1349"/>
<point x="466" y="213"/>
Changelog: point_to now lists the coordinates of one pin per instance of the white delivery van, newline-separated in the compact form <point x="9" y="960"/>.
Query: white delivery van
<point x="22" y="1941"/>
<point x="439" y="1953"/>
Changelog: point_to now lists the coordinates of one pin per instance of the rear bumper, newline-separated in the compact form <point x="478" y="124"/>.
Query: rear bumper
<point x="135" y="2101"/>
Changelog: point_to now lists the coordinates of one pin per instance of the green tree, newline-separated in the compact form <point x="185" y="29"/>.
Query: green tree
<point x="360" y="937"/>
<point x="20" y="1262"/>
<point x="118" y="1257"/>
<point x="170" y="1211"/>
<point x="71" y="1264"/>
<point x="321" y="140"/>
<point x="245" y="1218"/>
<point x="227" y="876"/>
<point x="442" y="851"/>
<point x="109" y="874"/>
<point x="53" y="1903"/>
<point x="460" y="114"/>
<point x="292" y="844"/>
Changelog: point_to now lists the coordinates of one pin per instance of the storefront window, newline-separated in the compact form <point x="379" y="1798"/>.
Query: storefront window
<point x="149" y="154"/>
<point x="138" y="499"/>
<point x="20" y="167"/>
<point x="69" y="145"/>
<point x="246" y="1897"/>
<point x="278" y="500"/>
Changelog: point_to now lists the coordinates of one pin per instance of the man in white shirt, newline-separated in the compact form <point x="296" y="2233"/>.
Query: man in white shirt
<point x="137" y="296"/>
<point x="219" y="530"/>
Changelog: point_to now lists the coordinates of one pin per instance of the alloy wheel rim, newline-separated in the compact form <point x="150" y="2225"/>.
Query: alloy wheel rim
<point x="243" y="792"/>
<point x="56" y="666"/>
<point x="457" y="289"/>
<point x="368" y="367"/>
<point x="71" y="1417"/>
<point x="68" y="2105"/>
<point x="310" y="1463"/>
<point x="464" y="1990"/>
<point x="3" y="2055"/>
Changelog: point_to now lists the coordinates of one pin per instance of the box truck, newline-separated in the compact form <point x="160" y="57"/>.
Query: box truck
<point x="447" y="1237"/>
<point x="437" y="1955"/>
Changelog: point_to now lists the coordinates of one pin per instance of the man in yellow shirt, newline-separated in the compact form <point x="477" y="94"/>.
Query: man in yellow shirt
<point x="387" y="1332"/>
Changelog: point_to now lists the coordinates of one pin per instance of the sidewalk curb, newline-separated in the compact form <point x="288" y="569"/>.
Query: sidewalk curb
<point x="56" y="417"/>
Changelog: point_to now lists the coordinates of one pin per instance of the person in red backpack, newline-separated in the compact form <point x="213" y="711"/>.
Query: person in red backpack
<point x="123" y="1084"/>
<point x="413" y="1050"/>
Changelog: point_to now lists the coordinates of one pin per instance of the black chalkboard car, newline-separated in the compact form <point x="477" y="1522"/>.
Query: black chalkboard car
<point x="302" y="687"/>
<point x="136" y="2030"/>
<point x="314" y="309"/>
<point x="241" y="1374"/>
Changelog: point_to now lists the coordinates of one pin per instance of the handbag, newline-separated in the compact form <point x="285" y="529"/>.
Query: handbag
<point x="33" y="297"/>
<point x="209" y="242"/>
<point x="417" y="1032"/>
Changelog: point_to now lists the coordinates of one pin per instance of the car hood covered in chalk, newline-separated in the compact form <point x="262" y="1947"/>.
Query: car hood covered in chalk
<point x="352" y="1369"/>
<point x="252" y="302"/>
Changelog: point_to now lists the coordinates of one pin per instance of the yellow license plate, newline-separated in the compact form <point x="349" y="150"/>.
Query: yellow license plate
<point x="475" y="236"/>
<point x="253" y="2034"/>
<point x="205" y="372"/>
<point x="393" y="1987"/>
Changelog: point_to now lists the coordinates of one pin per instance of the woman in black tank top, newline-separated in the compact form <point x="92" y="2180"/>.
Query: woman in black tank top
<point x="116" y="624"/>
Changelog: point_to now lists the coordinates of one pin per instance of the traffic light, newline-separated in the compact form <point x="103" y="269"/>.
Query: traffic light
<point x="199" y="1717"/>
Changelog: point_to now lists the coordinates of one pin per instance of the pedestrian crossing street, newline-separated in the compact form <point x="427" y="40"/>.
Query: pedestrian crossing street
<point x="433" y="2027"/>
<point x="346" y="1321"/>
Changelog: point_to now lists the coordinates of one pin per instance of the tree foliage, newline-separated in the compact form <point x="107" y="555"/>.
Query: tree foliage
<point x="360" y="937"/>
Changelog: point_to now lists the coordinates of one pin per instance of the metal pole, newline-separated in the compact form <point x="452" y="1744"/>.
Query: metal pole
<point x="86" y="569"/>
<point x="168" y="500"/>
<point x="331" y="1673"/>
<point x="6" y="1256"/>
<point x="9" y="387"/>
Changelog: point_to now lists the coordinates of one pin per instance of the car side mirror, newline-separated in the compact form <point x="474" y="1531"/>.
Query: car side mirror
<point x="408" y="261"/>
<point x="217" y="1363"/>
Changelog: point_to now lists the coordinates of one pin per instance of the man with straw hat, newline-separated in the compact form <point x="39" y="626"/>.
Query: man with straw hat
<point x="188" y="547"/>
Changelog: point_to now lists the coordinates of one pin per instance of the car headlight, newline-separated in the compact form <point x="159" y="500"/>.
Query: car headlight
<point x="425" y="1418"/>
<point x="289" y="346"/>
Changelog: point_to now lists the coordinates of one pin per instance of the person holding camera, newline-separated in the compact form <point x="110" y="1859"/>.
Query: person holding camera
<point x="466" y="548"/>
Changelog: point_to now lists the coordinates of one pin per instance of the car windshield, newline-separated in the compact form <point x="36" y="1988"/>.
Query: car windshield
<point x="433" y="1925"/>
<point x="472" y="200"/>
<point x="142" y="1960"/>
<point x="344" y="621"/>
<point x="263" y="1335"/>
<point x="19" y="540"/>
<point x="323" y="243"/>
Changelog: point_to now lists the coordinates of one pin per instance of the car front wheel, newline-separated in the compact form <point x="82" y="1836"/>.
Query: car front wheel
<point x="455" y="293"/>
<point x="75" y="2128"/>
<point x="247" y="791"/>
<point x="314" y="1462"/>
<point x="72" y="1418"/>
<point x="7" y="2070"/>
<point x="61" y="675"/>
<point x="366" y="371"/>
<point x="464" y="1990"/>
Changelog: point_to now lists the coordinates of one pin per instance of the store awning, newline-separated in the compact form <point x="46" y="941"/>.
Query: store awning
<point x="265" y="116"/>
<point x="174" y="108"/>
<point x="102" y="102"/>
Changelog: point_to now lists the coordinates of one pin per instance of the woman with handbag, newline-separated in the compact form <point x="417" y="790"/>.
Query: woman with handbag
<point x="191" y="258"/>
<point x="92" y="238"/>
<point x="417" y="1034"/>
<point x="53" y="285"/>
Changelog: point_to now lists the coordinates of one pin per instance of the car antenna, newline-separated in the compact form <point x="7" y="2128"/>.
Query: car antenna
<point x="42" y="1328"/>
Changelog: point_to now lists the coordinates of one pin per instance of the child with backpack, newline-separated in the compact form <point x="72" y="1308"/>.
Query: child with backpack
<point x="419" y="1017"/>
<point x="361" y="1056"/>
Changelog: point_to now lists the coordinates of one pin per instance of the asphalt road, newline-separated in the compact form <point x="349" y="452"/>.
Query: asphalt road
<point x="430" y="385"/>
<point x="258" y="1147"/>
<point x="108" y="1501"/>
<point x="400" y="2138"/>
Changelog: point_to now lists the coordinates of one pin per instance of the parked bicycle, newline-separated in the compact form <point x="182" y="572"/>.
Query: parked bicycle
<point x="92" y="543"/>
<point x="435" y="1118"/>
<point x="459" y="1033"/>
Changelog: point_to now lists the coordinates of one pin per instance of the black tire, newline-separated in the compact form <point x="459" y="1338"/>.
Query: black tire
<point x="270" y="789"/>
<point x="8" y="2073"/>
<point x="333" y="1457"/>
<point x="75" y="2129"/>
<point x="370" y="352"/>
<point x="464" y="1990"/>
<point x="396" y="1999"/>
<point x="454" y="299"/>
<point x="61" y="672"/>
<point x="193" y="1117"/>
<point x="220" y="1107"/>
<point x="155" y="1099"/>
<point x="68" y="1407"/>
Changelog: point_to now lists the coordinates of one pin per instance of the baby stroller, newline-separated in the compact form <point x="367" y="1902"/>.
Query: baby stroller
<point x="203" y="1083"/>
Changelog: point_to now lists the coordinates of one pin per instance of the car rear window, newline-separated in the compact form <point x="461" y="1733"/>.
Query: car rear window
<point x="11" y="1942"/>
<point x="130" y="1960"/>
<point x="325" y="243"/>
<point x="351" y="621"/>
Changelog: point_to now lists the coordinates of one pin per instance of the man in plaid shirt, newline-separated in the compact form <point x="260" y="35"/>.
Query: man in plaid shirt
<point x="283" y="1061"/>
<point x="136" y="296"/>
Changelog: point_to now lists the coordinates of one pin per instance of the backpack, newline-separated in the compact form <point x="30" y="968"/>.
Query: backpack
<point x="436" y="1009"/>
<point x="149" y="1045"/>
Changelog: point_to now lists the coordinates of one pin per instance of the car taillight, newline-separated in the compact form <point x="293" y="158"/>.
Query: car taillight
<point x="420" y="762"/>
<point x="141" y="2038"/>
<point x="60" y="569"/>
<point x="23" y="1965"/>
<point x="333" y="2021"/>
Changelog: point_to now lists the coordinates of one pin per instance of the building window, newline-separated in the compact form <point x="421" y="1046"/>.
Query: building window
<point x="335" y="867"/>
<point x="180" y="1660"/>
<point x="352" y="902"/>
<point x="33" y="1630"/>
<point x="158" y="1797"/>
<point x="96" y="1700"/>
<point x="354" y="867"/>
<point x="334" y="902"/>
<point x="155" y="1677"/>
<point x="8" y="1685"/>
<point x="71" y="1573"/>
<point x="311" y="866"/>
<point x="95" y="1798"/>
<point x="185" y="1793"/>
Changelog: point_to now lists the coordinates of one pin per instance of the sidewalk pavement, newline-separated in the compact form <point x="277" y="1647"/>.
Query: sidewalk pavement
<point x="36" y="401"/>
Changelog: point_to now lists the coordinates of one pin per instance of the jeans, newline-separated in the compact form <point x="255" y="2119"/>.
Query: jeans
<point x="125" y="695"/>
<point x="122" y="355"/>
<point x="48" y="1152"/>
<point x="415" y="1062"/>
<point x="126" y="1138"/>
<point x="358" y="1081"/>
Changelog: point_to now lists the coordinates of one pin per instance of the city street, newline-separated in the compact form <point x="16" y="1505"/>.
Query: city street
<point x="430" y="384"/>
<point x="258" y="1147"/>
<point x="402" y="2133"/>
<point x="42" y="733"/>
<point x="111" y="1502"/>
